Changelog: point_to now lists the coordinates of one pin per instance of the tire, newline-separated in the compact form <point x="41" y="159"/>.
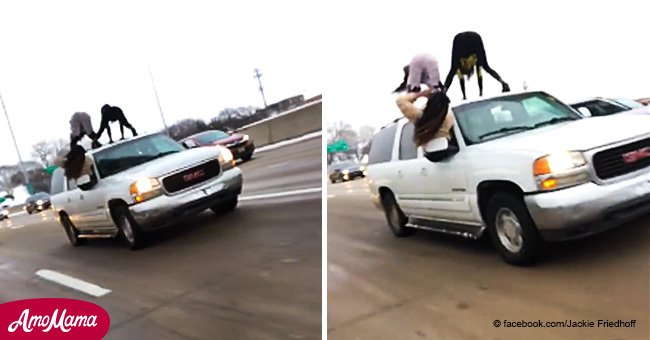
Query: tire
<point x="71" y="232"/>
<point x="512" y="230"/>
<point x="247" y="157"/>
<point x="227" y="206"/>
<point x="395" y="217"/>
<point x="130" y="230"/>
<point x="333" y="181"/>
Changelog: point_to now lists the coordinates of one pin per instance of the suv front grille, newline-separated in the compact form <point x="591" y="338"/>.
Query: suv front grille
<point x="191" y="176"/>
<point x="622" y="159"/>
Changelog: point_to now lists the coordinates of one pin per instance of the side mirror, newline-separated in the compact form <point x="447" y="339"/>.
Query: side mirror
<point x="85" y="182"/>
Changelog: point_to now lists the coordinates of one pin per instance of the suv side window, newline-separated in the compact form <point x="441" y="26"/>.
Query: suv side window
<point x="57" y="183"/>
<point x="407" y="148"/>
<point x="72" y="184"/>
<point x="381" y="148"/>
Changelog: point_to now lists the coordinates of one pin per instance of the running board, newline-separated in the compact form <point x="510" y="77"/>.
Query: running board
<point x="451" y="228"/>
<point x="97" y="235"/>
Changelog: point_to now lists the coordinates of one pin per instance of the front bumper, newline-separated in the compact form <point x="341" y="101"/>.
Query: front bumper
<point x="166" y="209"/>
<point x="589" y="208"/>
<point x="242" y="151"/>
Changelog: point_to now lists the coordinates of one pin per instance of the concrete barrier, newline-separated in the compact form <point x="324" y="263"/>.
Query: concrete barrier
<point x="293" y="123"/>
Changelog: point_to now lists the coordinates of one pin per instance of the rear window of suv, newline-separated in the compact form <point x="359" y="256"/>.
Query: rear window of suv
<point x="381" y="149"/>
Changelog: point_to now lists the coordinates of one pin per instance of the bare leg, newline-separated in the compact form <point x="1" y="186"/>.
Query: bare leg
<point x="462" y="85"/>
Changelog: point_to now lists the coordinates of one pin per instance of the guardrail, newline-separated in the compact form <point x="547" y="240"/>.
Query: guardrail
<point x="290" y="124"/>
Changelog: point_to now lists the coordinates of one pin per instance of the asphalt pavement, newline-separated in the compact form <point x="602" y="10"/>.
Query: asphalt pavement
<point x="254" y="273"/>
<point x="434" y="286"/>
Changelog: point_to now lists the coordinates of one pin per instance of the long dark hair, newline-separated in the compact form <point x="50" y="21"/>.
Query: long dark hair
<point x="433" y="116"/>
<point x="74" y="162"/>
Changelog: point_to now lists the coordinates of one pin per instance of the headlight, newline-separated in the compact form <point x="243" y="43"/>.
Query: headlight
<point x="5" y="212"/>
<point x="39" y="202"/>
<point x="226" y="159"/>
<point x="561" y="170"/>
<point x="245" y="138"/>
<point x="345" y="172"/>
<point x="144" y="189"/>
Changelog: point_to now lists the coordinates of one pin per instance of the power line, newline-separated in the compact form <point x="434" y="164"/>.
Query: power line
<point x="258" y="75"/>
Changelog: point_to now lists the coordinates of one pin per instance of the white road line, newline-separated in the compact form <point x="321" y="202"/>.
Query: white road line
<point x="18" y="226"/>
<point x="18" y="214"/>
<point x="331" y="196"/>
<point x="71" y="282"/>
<point x="281" y="194"/>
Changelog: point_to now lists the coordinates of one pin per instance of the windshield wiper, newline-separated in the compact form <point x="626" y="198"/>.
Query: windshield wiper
<point x="506" y="129"/>
<point x="555" y="121"/>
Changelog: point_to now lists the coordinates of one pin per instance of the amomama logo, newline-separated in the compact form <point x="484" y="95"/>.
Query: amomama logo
<point x="53" y="318"/>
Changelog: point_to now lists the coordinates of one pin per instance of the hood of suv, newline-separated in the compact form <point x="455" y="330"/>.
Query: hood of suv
<point x="583" y="134"/>
<point x="170" y="163"/>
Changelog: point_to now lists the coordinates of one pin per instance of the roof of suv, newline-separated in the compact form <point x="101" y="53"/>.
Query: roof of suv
<point x="116" y="143"/>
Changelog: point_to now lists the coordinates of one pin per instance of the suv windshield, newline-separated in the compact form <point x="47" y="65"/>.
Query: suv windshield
<point x="632" y="104"/>
<point x="211" y="136"/>
<point x="129" y="154"/>
<point x="489" y="119"/>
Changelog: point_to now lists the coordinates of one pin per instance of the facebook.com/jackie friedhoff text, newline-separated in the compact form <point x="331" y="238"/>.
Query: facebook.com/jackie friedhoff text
<point x="565" y="324"/>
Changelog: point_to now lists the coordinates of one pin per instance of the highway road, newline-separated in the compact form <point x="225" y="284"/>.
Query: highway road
<point x="433" y="286"/>
<point x="254" y="273"/>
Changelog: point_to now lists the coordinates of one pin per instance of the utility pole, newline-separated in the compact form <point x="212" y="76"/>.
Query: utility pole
<point x="258" y="75"/>
<point x="13" y="137"/>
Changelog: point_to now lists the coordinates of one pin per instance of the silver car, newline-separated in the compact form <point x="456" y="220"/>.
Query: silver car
<point x="143" y="184"/>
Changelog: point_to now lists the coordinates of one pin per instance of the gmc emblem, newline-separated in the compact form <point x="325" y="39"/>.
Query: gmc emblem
<point x="636" y="155"/>
<point x="193" y="175"/>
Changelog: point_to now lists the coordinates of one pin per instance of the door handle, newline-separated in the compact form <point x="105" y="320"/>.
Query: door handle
<point x="81" y="197"/>
<point x="399" y="173"/>
<point x="423" y="171"/>
<point x="69" y="200"/>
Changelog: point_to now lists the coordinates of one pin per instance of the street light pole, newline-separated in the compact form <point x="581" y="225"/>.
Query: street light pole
<point x="162" y="116"/>
<point x="258" y="75"/>
<point x="13" y="137"/>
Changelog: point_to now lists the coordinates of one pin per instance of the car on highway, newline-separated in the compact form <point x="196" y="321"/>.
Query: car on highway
<point x="4" y="212"/>
<point x="346" y="170"/>
<point x="142" y="184"/>
<point x="37" y="202"/>
<point x="528" y="170"/>
<point x="240" y="145"/>
<point x="599" y="106"/>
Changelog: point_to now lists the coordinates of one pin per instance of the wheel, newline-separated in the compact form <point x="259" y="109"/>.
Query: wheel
<point x="130" y="230"/>
<point x="512" y="230"/>
<point x="71" y="231"/>
<point x="247" y="157"/>
<point x="333" y="180"/>
<point x="229" y="205"/>
<point x="395" y="217"/>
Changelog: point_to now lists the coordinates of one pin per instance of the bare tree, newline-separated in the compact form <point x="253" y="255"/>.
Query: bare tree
<point x="47" y="150"/>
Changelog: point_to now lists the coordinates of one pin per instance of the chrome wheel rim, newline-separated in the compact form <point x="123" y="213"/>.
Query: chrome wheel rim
<point x="127" y="229"/>
<point x="509" y="230"/>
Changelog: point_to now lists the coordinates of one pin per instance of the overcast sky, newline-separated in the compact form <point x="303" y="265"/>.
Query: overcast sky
<point x="572" y="49"/>
<point x="59" y="57"/>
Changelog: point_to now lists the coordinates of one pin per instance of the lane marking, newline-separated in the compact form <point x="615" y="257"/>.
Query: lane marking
<point x="71" y="282"/>
<point x="20" y="213"/>
<point x="331" y="196"/>
<point x="281" y="194"/>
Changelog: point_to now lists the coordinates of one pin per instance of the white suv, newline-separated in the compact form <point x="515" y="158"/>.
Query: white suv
<point x="528" y="170"/>
<point x="142" y="184"/>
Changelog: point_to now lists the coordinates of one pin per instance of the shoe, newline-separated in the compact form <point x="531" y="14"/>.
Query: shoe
<point x="506" y="87"/>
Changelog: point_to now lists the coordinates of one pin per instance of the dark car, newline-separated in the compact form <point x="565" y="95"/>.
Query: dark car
<point x="346" y="170"/>
<point x="599" y="106"/>
<point x="240" y="145"/>
<point x="38" y="202"/>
